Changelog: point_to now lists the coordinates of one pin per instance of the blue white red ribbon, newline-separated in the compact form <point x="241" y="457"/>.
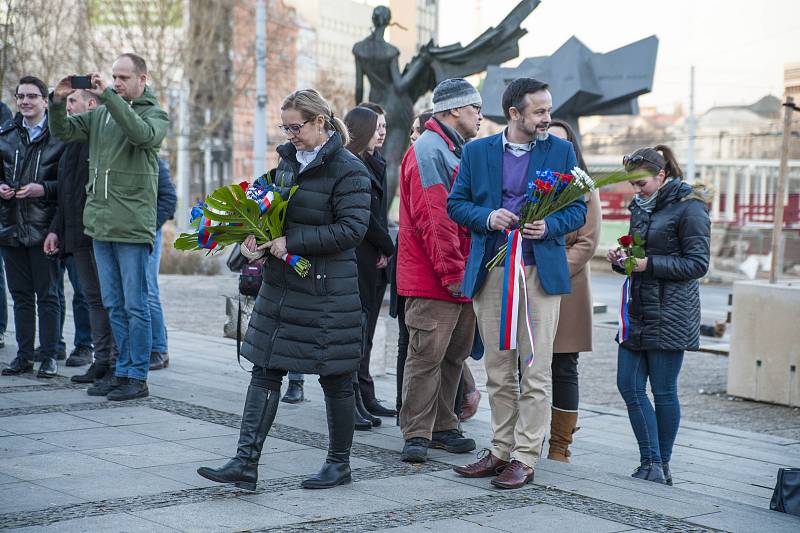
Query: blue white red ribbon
<point x="205" y="239"/>
<point x="624" y="321"/>
<point x="291" y="259"/>
<point x="514" y="287"/>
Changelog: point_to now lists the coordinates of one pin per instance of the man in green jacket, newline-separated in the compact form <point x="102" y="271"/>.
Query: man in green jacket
<point x="124" y="135"/>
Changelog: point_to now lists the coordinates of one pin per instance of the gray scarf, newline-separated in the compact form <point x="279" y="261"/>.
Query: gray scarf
<point x="646" y="204"/>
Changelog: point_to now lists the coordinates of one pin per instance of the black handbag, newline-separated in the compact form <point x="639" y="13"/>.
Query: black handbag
<point x="786" y="498"/>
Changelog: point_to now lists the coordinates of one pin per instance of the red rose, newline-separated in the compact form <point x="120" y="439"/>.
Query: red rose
<point x="547" y="187"/>
<point x="625" y="241"/>
<point x="244" y="185"/>
<point x="540" y="184"/>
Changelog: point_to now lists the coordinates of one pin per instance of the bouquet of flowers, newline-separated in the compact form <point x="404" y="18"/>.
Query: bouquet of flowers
<point x="552" y="191"/>
<point x="231" y="213"/>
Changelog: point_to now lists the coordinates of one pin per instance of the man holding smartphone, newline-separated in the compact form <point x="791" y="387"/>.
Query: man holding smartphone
<point x="28" y="188"/>
<point x="124" y="134"/>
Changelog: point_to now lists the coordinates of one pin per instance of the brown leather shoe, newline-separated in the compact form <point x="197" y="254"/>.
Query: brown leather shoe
<point x="514" y="476"/>
<point x="487" y="466"/>
<point x="469" y="405"/>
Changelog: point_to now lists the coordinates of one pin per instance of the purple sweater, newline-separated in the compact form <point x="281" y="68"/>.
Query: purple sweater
<point x="515" y="184"/>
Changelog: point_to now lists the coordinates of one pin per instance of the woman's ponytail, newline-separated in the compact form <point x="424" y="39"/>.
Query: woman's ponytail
<point x="339" y="125"/>
<point x="671" y="167"/>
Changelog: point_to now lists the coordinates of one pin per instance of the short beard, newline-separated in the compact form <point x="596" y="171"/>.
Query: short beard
<point x="542" y="136"/>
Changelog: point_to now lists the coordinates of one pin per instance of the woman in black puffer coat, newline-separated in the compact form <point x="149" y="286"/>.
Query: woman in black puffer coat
<point x="664" y="306"/>
<point x="311" y="325"/>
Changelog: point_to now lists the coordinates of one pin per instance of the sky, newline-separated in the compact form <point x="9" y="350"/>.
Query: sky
<point x="738" y="47"/>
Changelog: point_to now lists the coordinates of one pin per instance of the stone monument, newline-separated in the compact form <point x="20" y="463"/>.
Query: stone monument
<point x="397" y="91"/>
<point x="583" y="82"/>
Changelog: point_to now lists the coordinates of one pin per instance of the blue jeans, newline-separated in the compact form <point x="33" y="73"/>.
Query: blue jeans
<point x="159" y="343"/>
<point x="655" y="429"/>
<point x="122" y="269"/>
<point x="3" y="302"/>
<point x="80" y="308"/>
<point x="296" y="376"/>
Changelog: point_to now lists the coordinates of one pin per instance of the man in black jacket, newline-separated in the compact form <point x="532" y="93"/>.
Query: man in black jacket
<point x="28" y="190"/>
<point x="165" y="210"/>
<point x="5" y="116"/>
<point x="67" y="237"/>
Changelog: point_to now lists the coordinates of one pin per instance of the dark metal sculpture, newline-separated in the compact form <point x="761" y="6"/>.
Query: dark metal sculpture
<point x="397" y="92"/>
<point x="582" y="82"/>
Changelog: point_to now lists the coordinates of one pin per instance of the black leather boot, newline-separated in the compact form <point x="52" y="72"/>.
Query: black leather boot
<point x="294" y="392"/>
<point x="95" y="372"/>
<point x="257" y="417"/>
<point x="336" y="470"/>
<point x="362" y="410"/>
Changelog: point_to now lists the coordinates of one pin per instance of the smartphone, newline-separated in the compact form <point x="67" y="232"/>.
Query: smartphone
<point x="80" y="82"/>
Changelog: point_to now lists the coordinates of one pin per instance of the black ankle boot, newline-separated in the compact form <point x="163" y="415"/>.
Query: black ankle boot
<point x="336" y="470"/>
<point x="259" y="413"/>
<point x="362" y="410"/>
<point x="294" y="392"/>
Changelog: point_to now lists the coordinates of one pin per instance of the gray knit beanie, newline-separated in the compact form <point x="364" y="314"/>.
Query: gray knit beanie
<point x="454" y="93"/>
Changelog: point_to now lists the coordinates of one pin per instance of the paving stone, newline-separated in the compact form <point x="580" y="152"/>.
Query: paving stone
<point x="639" y="500"/>
<point x="44" y="423"/>
<point x="182" y="429"/>
<point x="229" y="515"/>
<point x="16" y="445"/>
<point x="144" y="455"/>
<point x="307" y="461"/>
<point x="453" y="525"/>
<point x="55" y="397"/>
<point x="749" y="521"/>
<point x="118" y="523"/>
<point x="48" y="465"/>
<point x="25" y="496"/>
<point x="546" y="518"/>
<point x="418" y="489"/>
<point x="124" y="416"/>
<point x="93" y="438"/>
<point x="125" y="483"/>
<point x="186" y="473"/>
<point x="730" y="495"/>
<point x="339" y="501"/>
<point x="226" y="445"/>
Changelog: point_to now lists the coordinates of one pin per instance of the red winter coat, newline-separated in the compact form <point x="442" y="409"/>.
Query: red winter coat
<point x="432" y="249"/>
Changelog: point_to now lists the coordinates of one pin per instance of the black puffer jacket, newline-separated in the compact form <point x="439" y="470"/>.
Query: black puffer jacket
<point x="664" y="311"/>
<point x="314" y="324"/>
<point x="73" y="173"/>
<point x="25" y="222"/>
<point x="377" y="240"/>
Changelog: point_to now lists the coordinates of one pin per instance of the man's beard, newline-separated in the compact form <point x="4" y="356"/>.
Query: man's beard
<point x="535" y="133"/>
<point x="542" y="136"/>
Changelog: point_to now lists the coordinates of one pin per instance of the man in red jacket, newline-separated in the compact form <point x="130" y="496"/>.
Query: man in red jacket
<point x="432" y="252"/>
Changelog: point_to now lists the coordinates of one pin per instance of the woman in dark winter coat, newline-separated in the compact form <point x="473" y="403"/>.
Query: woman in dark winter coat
<point x="313" y="324"/>
<point x="373" y="254"/>
<point x="664" y="305"/>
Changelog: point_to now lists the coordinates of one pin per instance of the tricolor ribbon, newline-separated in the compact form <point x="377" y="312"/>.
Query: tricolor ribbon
<point x="265" y="201"/>
<point x="205" y="239"/>
<point x="513" y="284"/>
<point x="624" y="321"/>
<point x="291" y="259"/>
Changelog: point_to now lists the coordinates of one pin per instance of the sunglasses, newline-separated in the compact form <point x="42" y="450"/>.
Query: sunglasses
<point x="633" y="161"/>
<point x="294" y="128"/>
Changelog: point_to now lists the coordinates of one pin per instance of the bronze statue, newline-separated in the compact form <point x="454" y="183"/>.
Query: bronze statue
<point x="397" y="92"/>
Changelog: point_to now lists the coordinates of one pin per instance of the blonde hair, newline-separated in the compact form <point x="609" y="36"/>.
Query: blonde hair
<point x="311" y="104"/>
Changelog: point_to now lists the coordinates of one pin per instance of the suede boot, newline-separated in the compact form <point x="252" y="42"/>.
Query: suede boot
<point x="336" y="470"/>
<point x="562" y="426"/>
<point x="258" y="415"/>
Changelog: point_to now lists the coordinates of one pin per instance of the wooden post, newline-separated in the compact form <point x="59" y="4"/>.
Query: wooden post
<point x="780" y="193"/>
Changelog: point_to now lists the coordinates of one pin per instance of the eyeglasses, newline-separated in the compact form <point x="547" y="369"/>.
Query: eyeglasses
<point x="29" y="96"/>
<point x="633" y="161"/>
<point x="476" y="107"/>
<point x="294" y="128"/>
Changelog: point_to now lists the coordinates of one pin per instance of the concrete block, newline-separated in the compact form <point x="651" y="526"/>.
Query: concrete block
<point x="144" y="455"/>
<point x="764" y="357"/>
<point x="221" y="515"/>
<point x="26" y="496"/>
<point x="343" y="500"/>
<point x="43" y="466"/>
<point x="546" y="518"/>
<point x="118" y="522"/>
<point x="44" y="423"/>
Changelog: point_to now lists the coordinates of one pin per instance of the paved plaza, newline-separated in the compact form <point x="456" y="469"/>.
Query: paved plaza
<point x="70" y="462"/>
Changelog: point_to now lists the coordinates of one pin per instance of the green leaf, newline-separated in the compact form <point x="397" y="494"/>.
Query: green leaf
<point x="637" y="251"/>
<point x="629" y="264"/>
<point x="637" y="239"/>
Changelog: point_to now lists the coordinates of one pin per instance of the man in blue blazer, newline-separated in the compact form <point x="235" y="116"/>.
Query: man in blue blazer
<point x="487" y="197"/>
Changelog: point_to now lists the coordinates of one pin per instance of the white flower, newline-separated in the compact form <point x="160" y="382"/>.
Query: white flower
<point x="584" y="180"/>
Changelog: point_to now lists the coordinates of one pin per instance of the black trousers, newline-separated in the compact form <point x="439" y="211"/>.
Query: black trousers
<point x="31" y="277"/>
<point x="565" y="381"/>
<point x="105" y="348"/>
<point x="335" y="386"/>
<point x="402" y="348"/>
<point x="373" y="311"/>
